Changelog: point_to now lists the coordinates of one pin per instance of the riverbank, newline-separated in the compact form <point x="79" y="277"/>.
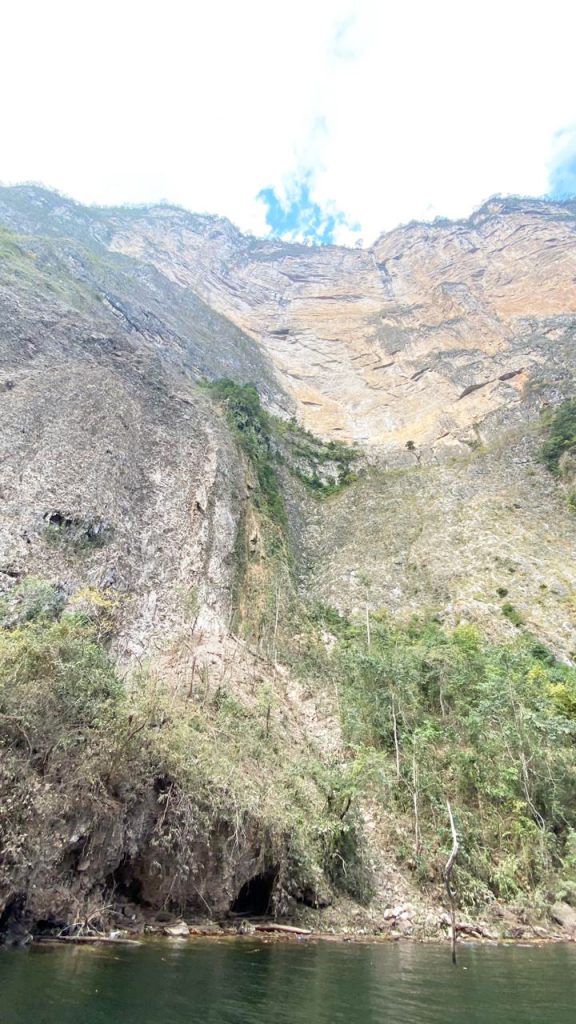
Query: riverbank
<point x="266" y="930"/>
<point x="298" y="939"/>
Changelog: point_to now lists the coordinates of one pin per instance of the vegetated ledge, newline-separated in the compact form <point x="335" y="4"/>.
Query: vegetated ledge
<point x="324" y="467"/>
<point x="397" y="923"/>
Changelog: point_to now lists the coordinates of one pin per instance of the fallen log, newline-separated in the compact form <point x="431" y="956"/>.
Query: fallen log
<point x="88" y="940"/>
<point x="288" y="928"/>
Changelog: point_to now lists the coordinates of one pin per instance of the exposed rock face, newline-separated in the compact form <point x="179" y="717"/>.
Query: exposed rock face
<point x="420" y="338"/>
<point x="565" y="916"/>
<point x="97" y="431"/>
<point x="156" y="475"/>
<point x="423" y="337"/>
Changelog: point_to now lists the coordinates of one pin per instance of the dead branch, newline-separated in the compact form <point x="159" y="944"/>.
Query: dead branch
<point x="417" y="836"/>
<point x="448" y="879"/>
<point x="396" y="742"/>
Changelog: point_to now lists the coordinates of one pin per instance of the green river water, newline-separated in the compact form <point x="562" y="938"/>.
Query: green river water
<point x="245" y="982"/>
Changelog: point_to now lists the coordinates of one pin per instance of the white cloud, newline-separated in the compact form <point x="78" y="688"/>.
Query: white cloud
<point x="400" y="110"/>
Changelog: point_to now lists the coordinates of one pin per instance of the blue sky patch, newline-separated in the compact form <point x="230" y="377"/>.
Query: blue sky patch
<point x="297" y="217"/>
<point x="562" y="176"/>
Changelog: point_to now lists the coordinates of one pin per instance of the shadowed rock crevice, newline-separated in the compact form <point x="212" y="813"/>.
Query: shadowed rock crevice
<point x="123" y="882"/>
<point x="76" y="530"/>
<point x="255" y="897"/>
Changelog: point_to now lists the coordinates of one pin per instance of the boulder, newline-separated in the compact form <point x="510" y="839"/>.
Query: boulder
<point x="564" y="915"/>
<point x="178" y="930"/>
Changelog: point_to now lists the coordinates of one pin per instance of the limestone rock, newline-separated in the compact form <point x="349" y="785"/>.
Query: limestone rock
<point x="564" y="915"/>
<point x="179" y="930"/>
<point x="420" y="338"/>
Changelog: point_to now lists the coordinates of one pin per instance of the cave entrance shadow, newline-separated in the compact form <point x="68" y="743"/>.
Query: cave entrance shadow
<point x="124" y="883"/>
<point x="255" y="896"/>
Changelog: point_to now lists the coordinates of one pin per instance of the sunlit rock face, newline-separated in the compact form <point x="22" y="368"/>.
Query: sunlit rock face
<point x="423" y="337"/>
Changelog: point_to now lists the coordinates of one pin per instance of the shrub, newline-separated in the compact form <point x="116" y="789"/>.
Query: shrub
<point x="323" y="467"/>
<point x="561" y="430"/>
<point x="55" y="680"/>
<point x="512" y="614"/>
<point x="32" y="599"/>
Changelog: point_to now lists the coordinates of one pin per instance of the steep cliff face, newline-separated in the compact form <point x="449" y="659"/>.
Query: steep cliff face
<point x="194" y="518"/>
<point x="427" y="336"/>
<point x="423" y="337"/>
<point x="103" y="431"/>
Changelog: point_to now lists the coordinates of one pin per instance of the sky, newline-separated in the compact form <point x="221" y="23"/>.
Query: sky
<point x="321" y="121"/>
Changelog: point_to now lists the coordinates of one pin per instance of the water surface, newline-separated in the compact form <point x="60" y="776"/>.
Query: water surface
<point x="245" y="982"/>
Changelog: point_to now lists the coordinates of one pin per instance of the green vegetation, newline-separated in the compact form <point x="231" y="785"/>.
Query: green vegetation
<point x="31" y="599"/>
<point x="561" y="431"/>
<point x="56" y="682"/>
<point x="427" y="715"/>
<point x="10" y="250"/>
<point x="17" y="261"/>
<point x="253" y="429"/>
<point x="447" y="715"/>
<point x="324" y="467"/>
<point x="263" y="561"/>
<point x="172" y="779"/>
<point x="267" y="441"/>
<point x="512" y="614"/>
<point x="430" y="715"/>
<point x="264" y="585"/>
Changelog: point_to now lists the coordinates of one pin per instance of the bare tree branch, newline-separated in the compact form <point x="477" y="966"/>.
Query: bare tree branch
<point x="448" y="878"/>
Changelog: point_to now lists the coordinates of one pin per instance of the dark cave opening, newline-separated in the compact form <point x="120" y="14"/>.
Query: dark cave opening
<point x="13" y="911"/>
<point x="255" y="896"/>
<point x="122" y="882"/>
